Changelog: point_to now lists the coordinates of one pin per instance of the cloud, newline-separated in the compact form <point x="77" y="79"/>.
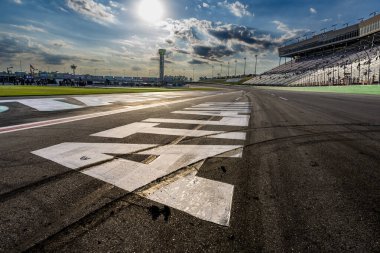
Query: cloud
<point x="288" y="32"/>
<point x="57" y="59"/>
<point x="197" y="62"/>
<point x="156" y="58"/>
<point x="97" y="12"/>
<point x="17" y="1"/>
<point x="326" y="20"/>
<point x="215" y="40"/>
<point x="63" y="9"/>
<point x="29" y="28"/>
<point x="212" y="52"/>
<point x="181" y="51"/>
<point x="117" y="5"/>
<point x="313" y="10"/>
<point x="14" y="46"/>
<point x="205" y="5"/>
<point x="237" y="8"/>
<point x="59" y="44"/>
<point x="136" y="68"/>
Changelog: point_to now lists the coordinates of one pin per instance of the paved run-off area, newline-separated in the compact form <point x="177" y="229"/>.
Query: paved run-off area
<point x="250" y="170"/>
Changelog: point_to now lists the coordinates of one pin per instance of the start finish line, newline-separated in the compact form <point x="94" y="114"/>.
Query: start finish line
<point x="203" y="198"/>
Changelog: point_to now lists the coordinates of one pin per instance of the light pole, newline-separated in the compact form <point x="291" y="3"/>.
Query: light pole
<point x="228" y="69"/>
<point x="245" y="64"/>
<point x="221" y="69"/>
<point x="255" y="63"/>
<point x="235" y="67"/>
<point x="212" y="76"/>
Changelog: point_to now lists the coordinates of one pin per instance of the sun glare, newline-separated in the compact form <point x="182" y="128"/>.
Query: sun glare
<point x="150" y="10"/>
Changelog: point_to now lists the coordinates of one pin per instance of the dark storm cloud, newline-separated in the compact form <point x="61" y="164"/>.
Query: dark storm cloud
<point x="197" y="62"/>
<point x="212" y="52"/>
<point x="215" y="40"/>
<point x="243" y="34"/>
<point x="181" y="51"/>
<point x="56" y="59"/>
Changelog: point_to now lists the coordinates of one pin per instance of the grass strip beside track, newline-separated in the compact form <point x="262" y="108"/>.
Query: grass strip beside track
<point x="11" y="90"/>
<point x="351" y="89"/>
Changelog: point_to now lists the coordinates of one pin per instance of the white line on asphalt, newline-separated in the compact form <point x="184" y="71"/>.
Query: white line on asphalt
<point x="14" y="128"/>
<point x="150" y="128"/>
<point x="243" y="120"/>
<point x="210" y="113"/>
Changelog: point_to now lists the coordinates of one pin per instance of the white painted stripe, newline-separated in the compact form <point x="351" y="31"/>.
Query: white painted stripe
<point x="149" y="128"/>
<point x="219" y="109"/>
<point x="210" y="113"/>
<point x="45" y="104"/>
<point x="283" y="98"/>
<point x="14" y="128"/>
<point x="243" y="120"/>
<point x="226" y="103"/>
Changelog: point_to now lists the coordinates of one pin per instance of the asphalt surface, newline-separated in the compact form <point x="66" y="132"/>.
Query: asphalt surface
<point x="308" y="180"/>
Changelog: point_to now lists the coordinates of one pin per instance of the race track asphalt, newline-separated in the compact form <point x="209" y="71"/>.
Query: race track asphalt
<point x="308" y="178"/>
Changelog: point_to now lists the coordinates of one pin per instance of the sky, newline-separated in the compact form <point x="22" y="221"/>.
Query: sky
<point x="122" y="37"/>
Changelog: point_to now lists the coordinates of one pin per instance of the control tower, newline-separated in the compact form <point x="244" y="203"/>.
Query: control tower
<point x="162" y="52"/>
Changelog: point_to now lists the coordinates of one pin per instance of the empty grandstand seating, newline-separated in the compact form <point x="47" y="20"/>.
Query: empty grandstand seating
<point x="349" y="66"/>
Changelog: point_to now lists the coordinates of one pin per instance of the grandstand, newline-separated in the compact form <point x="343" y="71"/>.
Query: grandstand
<point x="350" y="55"/>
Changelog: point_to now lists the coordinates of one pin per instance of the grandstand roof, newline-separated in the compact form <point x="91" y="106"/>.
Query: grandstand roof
<point x="331" y="38"/>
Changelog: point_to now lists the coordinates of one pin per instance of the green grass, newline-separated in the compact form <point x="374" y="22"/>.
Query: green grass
<point x="10" y="90"/>
<point x="352" y="89"/>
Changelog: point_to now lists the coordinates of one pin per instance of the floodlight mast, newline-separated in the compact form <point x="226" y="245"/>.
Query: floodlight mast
<point x="162" y="53"/>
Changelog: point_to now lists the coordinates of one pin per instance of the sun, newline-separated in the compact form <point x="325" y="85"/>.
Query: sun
<point x="151" y="10"/>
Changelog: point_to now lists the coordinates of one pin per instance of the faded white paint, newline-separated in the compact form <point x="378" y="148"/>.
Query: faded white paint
<point x="205" y="199"/>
